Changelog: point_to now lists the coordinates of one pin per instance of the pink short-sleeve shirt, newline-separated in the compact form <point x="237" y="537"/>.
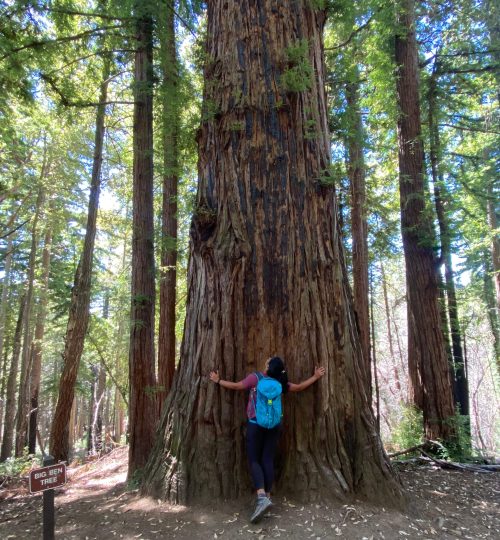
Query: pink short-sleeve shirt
<point x="250" y="383"/>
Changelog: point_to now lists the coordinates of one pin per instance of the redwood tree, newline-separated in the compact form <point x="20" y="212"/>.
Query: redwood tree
<point x="23" y="400"/>
<point x="36" y="369"/>
<point x="359" y="225"/>
<point x="80" y="297"/>
<point x="459" y="371"/>
<point x="142" y="404"/>
<point x="430" y="384"/>
<point x="169" y="93"/>
<point x="10" y="398"/>
<point x="266" y="274"/>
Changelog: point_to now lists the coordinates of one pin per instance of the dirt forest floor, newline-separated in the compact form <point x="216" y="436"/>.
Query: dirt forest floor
<point x="94" y="504"/>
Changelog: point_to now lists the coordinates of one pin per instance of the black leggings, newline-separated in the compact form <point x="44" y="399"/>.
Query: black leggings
<point x="261" y="448"/>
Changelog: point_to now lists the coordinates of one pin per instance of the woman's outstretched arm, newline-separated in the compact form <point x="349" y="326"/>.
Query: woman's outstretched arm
<point x="214" y="376"/>
<point x="318" y="373"/>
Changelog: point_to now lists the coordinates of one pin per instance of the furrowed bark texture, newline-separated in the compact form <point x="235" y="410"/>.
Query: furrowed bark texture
<point x="142" y="404"/>
<point x="356" y="173"/>
<point x="80" y="297"/>
<point x="266" y="277"/>
<point x="430" y="384"/>
<point x="166" y="335"/>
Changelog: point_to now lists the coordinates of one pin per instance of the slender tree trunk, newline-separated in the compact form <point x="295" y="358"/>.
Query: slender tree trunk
<point x="143" y="413"/>
<point x="118" y="416"/>
<point x="23" y="401"/>
<point x="491" y="307"/>
<point x="120" y="352"/>
<point x="10" y="401"/>
<point x="92" y="409"/>
<point x="3" y="323"/>
<point x="36" y="369"/>
<point x="72" y="422"/>
<point x="170" y="99"/>
<point x="461" y="384"/>
<point x="359" y="226"/>
<point x="389" y="332"/>
<point x="94" y="435"/>
<point x="374" y="355"/>
<point x="491" y="205"/>
<point x="266" y="275"/>
<point x="99" y="412"/>
<point x="430" y="383"/>
<point x="80" y="297"/>
<point x="94" y="442"/>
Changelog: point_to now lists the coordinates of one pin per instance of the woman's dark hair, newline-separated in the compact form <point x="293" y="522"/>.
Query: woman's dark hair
<point x="276" y="370"/>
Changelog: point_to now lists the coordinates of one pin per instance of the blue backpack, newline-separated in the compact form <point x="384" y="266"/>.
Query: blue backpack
<point x="268" y="402"/>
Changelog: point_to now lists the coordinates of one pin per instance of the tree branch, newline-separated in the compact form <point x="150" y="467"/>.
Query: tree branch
<point x="6" y="235"/>
<point x="83" y="104"/>
<point x="65" y="39"/>
<point x="85" y="14"/>
<point x="483" y="69"/>
<point x="351" y="37"/>
<point x="459" y="127"/>
<point x="108" y="370"/>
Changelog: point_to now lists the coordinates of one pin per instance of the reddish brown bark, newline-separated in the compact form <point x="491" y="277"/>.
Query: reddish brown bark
<point x="266" y="276"/>
<point x="430" y="384"/>
<point x="459" y="373"/>
<point x="10" y="399"/>
<point x="166" y="335"/>
<point x="359" y="226"/>
<point x="80" y="296"/>
<point x="3" y="322"/>
<point x="143" y="413"/>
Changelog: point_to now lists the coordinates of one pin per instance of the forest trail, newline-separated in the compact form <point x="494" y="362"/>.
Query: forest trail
<point x="95" y="505"/>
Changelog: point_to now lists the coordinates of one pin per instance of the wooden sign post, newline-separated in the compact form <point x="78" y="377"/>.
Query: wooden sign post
<point x="46" y="479"/>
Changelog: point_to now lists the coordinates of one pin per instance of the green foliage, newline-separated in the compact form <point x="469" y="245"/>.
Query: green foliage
<point x="298" y="75"/>
<point x="459" y="449"/>
<point x="332" y="176"/>
<point x="409" y="430"/>
<point x="310" y="128"/>
<point x="17" y="467"/>
<point x="210" y="110"/>
<point x="318" y="4"/>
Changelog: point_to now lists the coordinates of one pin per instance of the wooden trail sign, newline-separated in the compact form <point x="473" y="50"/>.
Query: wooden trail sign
<point x="47" y="477"/>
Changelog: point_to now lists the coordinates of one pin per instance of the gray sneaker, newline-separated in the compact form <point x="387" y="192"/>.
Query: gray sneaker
<point x="263" y="504"/>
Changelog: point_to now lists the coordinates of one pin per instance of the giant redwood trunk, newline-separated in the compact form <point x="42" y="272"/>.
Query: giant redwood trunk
<point x="266" y="274"/>
<point x="80" y="297"/>
<point x="430" y="384"/>
<point x="142" y="404"/>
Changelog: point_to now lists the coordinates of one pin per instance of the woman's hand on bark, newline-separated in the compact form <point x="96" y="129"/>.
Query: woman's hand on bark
<point x="319" y="371"/>
<point x="214" y="376"/>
